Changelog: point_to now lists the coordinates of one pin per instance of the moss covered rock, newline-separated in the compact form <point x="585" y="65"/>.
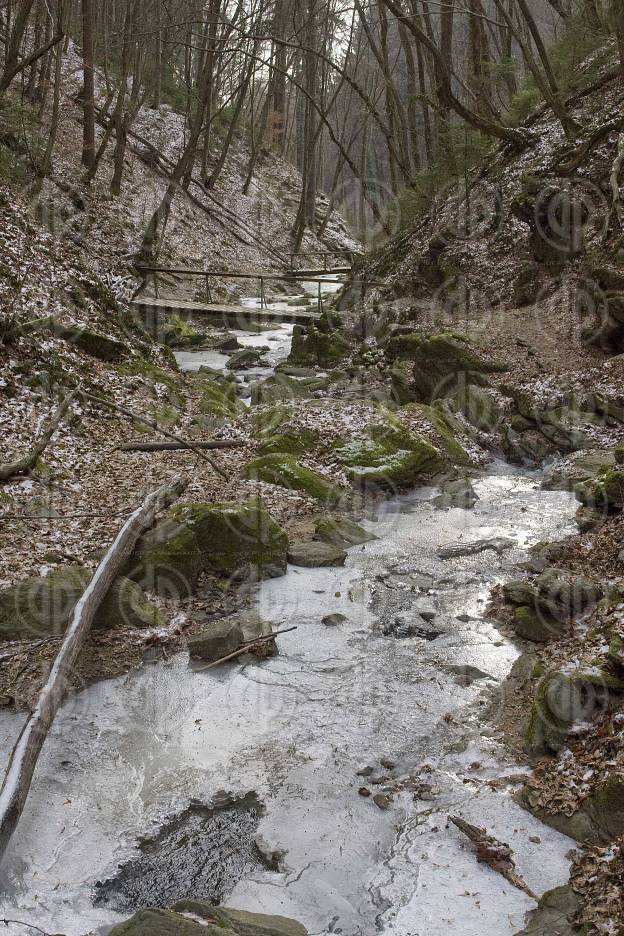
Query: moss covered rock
<point x="285" y="471"/>
<point x="392" y="456"/>
<point x="478" y="406"/>
<point x="195" y="918"/>
<point x="532" y="625"/>
<point x="234" y="540"/>
<point x="341" y="532"/>
<point x="96" y="345"/>
<point x="564" y="699"/>
<point x="245" y="358"/>
<point x="290" y="440"/>
<point x="320" y="344"/>
<point x="554" y="910"/>
<point x="219" y="399"/>
<point x="444" y="363"/>
<point x="444" y="430"/>
<point x="316" y="555"/>
<point x="42" y="606"/>
<point x="604" y="493"/>
<point x="278" y="388"/>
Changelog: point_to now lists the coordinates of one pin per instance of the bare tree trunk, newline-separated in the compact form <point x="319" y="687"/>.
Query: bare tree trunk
<point x="88" y="104"/>
<point x="25" y="755"/>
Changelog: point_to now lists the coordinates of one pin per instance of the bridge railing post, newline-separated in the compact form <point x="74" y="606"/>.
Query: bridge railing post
<point x="156" y="289"/>
<point x="262" y="296"/>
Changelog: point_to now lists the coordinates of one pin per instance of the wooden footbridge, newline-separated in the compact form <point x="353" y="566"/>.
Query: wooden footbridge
<point x="153" y="308"/>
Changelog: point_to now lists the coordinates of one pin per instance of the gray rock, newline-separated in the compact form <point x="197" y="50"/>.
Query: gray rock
<point x="222" y="638"/>
<point x="496" y="543"/>
<point x="459" y="493"/>
<point x="332" y="620"/>
<point x="341" y="532"/>
<point x="551" y="916"/>
<point x="195" y="918"/>
<point x="245" y="358"/>
<point x="316" y="555"/>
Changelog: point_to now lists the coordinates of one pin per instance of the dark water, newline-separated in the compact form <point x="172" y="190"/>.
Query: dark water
<point x="201" y="853"/>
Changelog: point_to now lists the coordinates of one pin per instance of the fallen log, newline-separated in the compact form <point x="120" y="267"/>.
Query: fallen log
<point x="246" y="648"/>
<point x="22" y="465"/>
<point x="154" y="425"/>
<point x="19" y="774"/>
<point x="498" y="855"/>
<point x="179" y="446"/>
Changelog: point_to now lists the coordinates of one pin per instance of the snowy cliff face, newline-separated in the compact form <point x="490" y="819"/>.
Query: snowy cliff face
<point x="220" y="228"/>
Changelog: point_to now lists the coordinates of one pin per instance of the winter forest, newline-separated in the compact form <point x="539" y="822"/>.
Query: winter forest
<point x="312" y="467"/>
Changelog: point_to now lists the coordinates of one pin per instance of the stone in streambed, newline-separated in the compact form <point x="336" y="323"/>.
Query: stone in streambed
<point x="333" y="620"/>
<point x="458" y="493"/>
<point x="552" y="915"/>
<point x="316" y="555"/>
<point x="222" y="638"/>
<point x="42" y="606"/>
<point x="195" y="918"/>
<point x="341" y="532"/>
<point x="244" y="359"/>
<point x="531" y="625"/>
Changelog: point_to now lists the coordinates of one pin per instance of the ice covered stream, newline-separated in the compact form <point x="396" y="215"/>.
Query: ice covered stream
<point x="295" y="730"/>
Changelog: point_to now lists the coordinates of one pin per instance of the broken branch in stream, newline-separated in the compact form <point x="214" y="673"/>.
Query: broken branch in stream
<point x="498" y="855"/>
<point x="154" y="425"/>
<point x="25" y="754"/>
<point x="22" y="465"/>
<point x="179" y="446"/>
<point x="246" y="648"/>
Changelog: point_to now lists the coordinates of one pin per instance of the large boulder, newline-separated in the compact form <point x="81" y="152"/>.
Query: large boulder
<point x="392" y="456"/>
<point x="291" y="440"/>
<point x="285" y="471"/>
<point x="567" y="698"/>
<point x="605" y="492"/>
<point x="195" y="918"/>
<point x="549" y="602"/>
<point x="233" y="540"/>
<point x="444" y="363"/>
<point x="42" y="606"/>
<point x="244" y="359"/>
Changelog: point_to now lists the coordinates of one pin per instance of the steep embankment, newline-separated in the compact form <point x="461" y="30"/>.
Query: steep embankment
<point x="223" y="227"/>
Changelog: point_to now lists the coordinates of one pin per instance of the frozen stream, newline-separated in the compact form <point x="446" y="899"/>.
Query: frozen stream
<point x="295" y="730"/>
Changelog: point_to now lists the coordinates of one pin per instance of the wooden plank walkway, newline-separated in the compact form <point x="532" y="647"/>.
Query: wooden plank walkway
<point x="150" y="309"/>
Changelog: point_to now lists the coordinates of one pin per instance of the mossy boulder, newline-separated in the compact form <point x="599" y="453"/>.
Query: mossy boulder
<point x="456" y="493"/>
<point x="320" y="344"/>
<point x="577" y="468"/>
<point x="219" y="399"/>
<point x="42" y="606"/>
<point x="530" y="624"/>
<point x="278" y="388"/>
<point x="316" y="555"/>
<point x="285" y="471"/>
<point x="392" y="456"/>
<point x="290" y="440"/>
<point x="444" y="431"/>
<point x="604" y="493"/>
<point x="598" y="820"/>
<point x="564" y="699"/>
<point x="102" y="347"/>
<point x="233" y="540"/>
<point x="341" y="532"/>
<point x="195" y="918"/>
<point x="478" y="406"/>
<point x="444" y="363"/>
<point x="618" y="454"/>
